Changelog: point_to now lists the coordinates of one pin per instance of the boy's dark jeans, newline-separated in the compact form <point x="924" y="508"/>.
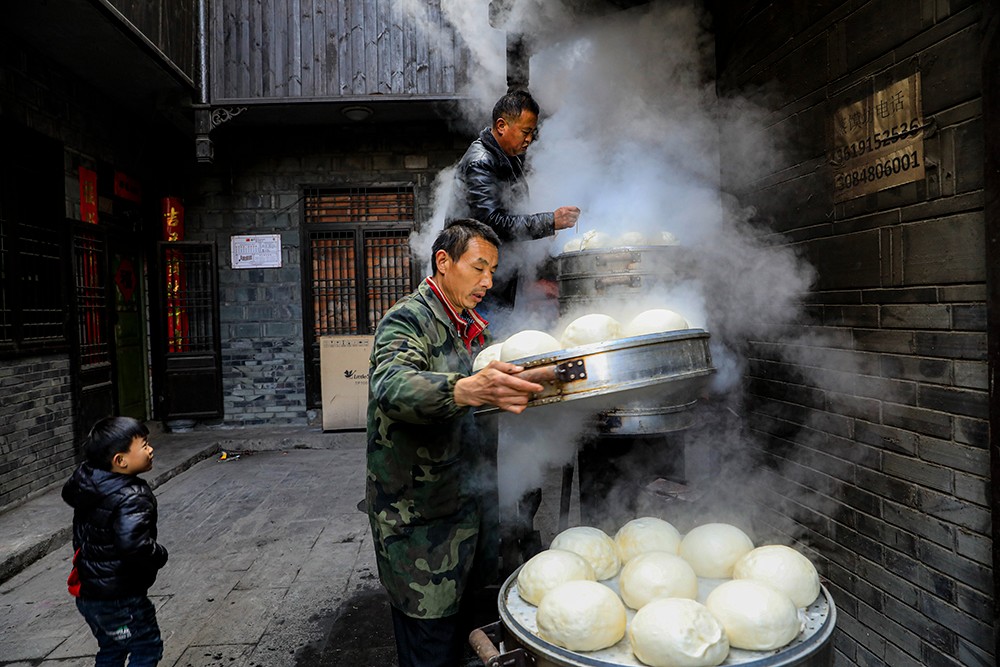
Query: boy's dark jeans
<point x="123" y="627"/>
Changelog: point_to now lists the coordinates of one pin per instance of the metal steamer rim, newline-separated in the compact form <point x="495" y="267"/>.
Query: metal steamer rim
<point x="622" y="366"/>
<point x="519" y="618"/>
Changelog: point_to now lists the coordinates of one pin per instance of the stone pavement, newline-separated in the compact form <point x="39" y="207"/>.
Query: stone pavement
<point x="271" y="562"/>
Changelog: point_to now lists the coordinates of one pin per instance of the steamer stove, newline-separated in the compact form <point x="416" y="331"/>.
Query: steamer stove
<point x="640" y="394"/>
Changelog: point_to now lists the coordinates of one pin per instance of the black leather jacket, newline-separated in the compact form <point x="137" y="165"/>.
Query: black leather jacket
<point x="488" y="184"/>
<point x="114" y="527"/>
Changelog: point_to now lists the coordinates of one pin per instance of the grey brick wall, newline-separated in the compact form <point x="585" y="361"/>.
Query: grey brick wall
<point x="874" y="437"/>
<point x="36" y="425"/>
<point x="255" y="188"/>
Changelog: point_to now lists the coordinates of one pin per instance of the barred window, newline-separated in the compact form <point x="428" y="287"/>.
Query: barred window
<point x="33" y="245"/>
<point x="356" y="263"/>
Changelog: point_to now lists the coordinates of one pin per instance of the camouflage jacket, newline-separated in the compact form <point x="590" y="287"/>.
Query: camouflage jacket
<point x="425" y="458"/>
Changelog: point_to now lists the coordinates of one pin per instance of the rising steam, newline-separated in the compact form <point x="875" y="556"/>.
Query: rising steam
<point x="631" y="132"/>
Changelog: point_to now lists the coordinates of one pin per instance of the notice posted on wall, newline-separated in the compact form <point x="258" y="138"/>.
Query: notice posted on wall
<point x="256" y="251"/>
<point x="878" y="142"/>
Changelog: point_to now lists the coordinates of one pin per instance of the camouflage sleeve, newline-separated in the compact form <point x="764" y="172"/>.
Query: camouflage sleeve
<point x="402" y="380"/>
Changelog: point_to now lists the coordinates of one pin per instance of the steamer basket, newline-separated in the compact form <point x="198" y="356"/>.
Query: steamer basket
<point x="665" y="370"/>
<point x="589" y="279"/>
<point x="812" y="648"/>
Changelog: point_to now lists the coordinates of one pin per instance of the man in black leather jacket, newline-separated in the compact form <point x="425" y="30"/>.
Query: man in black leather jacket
<point x="490" y="183"/>
<point x="114" y="534"/>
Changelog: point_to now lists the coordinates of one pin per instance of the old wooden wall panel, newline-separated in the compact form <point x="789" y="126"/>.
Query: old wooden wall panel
<point x="323" y="49"/>
<point x="170" y="25"/>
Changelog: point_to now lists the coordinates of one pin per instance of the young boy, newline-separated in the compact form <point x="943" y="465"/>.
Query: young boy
<point x="114" y="531"/>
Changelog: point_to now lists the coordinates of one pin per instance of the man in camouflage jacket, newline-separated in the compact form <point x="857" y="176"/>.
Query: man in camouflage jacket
<point x="427" y="464"/>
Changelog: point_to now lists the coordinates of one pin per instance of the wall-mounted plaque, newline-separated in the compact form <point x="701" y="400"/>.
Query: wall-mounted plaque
<point x="256" y="251"/>
<point x="878" y="142"/>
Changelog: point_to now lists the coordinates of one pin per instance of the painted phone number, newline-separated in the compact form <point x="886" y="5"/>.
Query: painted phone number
<point x="877" y="141"/>
<point x="881" y="169"/>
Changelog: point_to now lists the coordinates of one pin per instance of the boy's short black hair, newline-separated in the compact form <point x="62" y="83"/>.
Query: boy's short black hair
<point x="110" y="436"/>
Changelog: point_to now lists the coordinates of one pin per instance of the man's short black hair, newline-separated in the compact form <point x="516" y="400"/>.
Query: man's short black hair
<point x="110" y="436"/>
<point x="454" y="238"/>
<point x="510" y="106"/>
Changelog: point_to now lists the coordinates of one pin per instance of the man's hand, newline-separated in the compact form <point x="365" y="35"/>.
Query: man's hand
<point x="566" y="216"/>
<point x="498" y="385"/>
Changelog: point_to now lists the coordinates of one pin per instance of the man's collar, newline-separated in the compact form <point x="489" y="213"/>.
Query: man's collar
<point x="467" y="322"/>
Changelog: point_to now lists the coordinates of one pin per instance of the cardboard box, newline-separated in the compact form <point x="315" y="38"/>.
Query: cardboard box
<point x="343" y="365"/>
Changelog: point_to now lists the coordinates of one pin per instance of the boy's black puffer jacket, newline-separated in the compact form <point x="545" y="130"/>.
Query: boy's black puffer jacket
<point x="114" y="527"/>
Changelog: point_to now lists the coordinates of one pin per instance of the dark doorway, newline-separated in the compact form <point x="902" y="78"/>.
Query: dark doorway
<point x="129" y="329"/>
<point x="188" y="343"/>
<point x="94" y="372"/>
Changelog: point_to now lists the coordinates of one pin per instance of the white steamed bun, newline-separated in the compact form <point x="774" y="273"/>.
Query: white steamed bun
<point x="713" y="548"/>
<point x="581" y="616"/>
<point x="547" y="569"/>
<point x="594" y="545"/>
<point x="647" y="533"/>
<point x="632" y="239"/>
<point x="783" y="569"/>
<point x="527" y="343"/>
<point x="655" y="575"/>
<point x="594" y="240"/>
<point x="756" y="617"/>
<point x="656" y="320"/>
<point x="485" y="356"/>
<point x="592" y="328"/>
<point x="677" y="633"/>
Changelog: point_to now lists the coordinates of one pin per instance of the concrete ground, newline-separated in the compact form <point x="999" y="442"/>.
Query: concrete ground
<point x="271" y="562"/>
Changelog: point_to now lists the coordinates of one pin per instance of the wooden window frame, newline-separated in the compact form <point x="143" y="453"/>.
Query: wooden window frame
<point x="358" y="226"/>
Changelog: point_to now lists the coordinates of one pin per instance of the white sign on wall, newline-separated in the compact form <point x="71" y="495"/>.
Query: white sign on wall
<point x="256" y="251"/>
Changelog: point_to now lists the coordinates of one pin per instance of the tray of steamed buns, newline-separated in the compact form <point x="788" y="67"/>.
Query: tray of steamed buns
<point x="596" y="356"/>
<point x="651" y="596"/>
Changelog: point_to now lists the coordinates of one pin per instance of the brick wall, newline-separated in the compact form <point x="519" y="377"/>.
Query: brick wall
<point x="255" y="188"/>
<point x="36" y="425"/>
<point x="872" y="430"/>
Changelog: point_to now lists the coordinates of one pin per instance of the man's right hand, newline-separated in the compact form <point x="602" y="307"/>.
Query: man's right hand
<point x="566" y="216"/>
<point x="498" y="385"/>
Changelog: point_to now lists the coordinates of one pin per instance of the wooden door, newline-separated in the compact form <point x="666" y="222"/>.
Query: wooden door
<point x="189" y="348"/>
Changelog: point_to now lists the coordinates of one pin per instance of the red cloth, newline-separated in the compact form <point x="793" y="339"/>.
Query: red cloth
<point x="73" y="582"/>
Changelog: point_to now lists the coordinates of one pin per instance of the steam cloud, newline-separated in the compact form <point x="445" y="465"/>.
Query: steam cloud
<point x="631" y="132"/>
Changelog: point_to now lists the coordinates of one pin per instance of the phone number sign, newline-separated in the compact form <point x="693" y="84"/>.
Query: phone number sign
<point x="878" y="142"/>
<point x="256" y="251"/>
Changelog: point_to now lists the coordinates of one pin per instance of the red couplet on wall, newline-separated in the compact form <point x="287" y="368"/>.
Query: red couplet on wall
<point x="173" y="219"/>
<point x="88" y="195"/>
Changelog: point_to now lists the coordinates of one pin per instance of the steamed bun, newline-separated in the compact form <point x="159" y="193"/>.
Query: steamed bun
<point x="783" y="569"/>
<point x="594" y="240"/>
<point x="632" y="239"/>
<point x="654" y="575"/>
<point x="756" y="617"/>
<point x="677" y="633"/>
<point x="527" y="344"/>
<point x="581" y="616"/>
<point x="657" y="320"/>
<point x="594" y="545"/>
<point x="713" y="548"/>
<point x="647" y="533"/>
<point x="665" y="238"/>
<point x="485" y="356"/>
<point x="593" y="328"/>
<point x="547" y="569"/>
